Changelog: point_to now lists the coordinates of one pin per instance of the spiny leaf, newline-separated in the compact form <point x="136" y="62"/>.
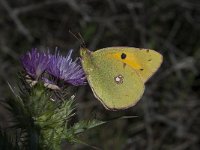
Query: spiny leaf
<point x="81" y="126"/>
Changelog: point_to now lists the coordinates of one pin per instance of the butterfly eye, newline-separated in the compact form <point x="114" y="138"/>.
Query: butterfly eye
<point x="123" y="56"/>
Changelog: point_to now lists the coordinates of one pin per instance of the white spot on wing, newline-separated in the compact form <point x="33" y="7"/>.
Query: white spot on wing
<point x="119" y="79"/>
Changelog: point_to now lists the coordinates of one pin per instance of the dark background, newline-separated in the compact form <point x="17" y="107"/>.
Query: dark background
<point x="168" y="113"/>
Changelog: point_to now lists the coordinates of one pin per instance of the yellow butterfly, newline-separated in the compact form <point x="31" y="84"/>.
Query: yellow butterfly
<point x="117" y="75"/>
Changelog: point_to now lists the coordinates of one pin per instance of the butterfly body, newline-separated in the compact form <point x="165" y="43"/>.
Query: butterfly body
<point x="117" y="75"/>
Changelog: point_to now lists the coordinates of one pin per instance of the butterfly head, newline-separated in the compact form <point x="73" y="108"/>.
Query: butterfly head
<point x="84" y="52"/>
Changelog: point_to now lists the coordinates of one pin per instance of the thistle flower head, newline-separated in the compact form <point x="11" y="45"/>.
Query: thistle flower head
<point x="35" y="63"/>
<point x="62" y="67"/>
<point x="57" y="66"/>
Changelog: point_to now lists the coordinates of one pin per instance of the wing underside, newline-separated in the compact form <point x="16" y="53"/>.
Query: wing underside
<point x="115" y="85"/>
<point x="144" y="61"/>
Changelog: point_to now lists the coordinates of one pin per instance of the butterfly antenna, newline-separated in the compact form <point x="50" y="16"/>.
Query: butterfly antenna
<point x="82" y="40"/>
<point x="79" y="38"/>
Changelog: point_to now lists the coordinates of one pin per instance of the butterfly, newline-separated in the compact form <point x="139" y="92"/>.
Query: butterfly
<point x="117" y="75"/>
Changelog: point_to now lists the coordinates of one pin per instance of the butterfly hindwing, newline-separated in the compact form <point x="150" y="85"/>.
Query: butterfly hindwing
<point x="116" y="86"/>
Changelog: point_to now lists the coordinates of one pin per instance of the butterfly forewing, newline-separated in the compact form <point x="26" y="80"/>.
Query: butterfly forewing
<point x="144" y="61"/>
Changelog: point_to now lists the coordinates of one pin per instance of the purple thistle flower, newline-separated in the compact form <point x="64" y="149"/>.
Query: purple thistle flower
<point x="61" y="68"/>
<point x="65" y="69"/>
<point x="35" y="63"/>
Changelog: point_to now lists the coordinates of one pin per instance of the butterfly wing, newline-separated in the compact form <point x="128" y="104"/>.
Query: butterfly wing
<point x="115" y="85"/>
<point x="144" y="61"/>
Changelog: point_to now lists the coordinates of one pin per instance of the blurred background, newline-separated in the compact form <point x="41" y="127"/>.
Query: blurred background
<point x="168" y="115"/>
